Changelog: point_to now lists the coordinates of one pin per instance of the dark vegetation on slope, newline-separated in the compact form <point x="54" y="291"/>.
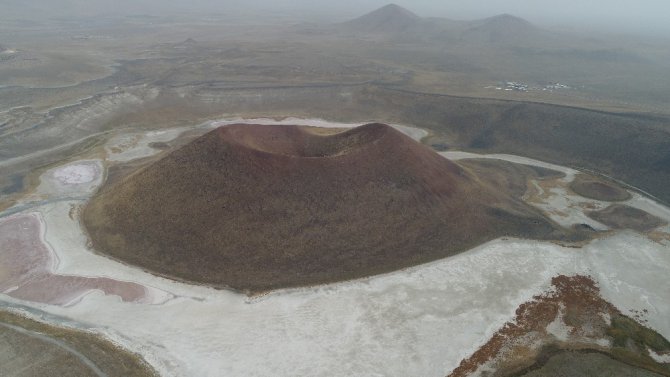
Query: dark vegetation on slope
<point x="628" y="356"/>
<point x="506" y="175"/>
<point x="263" y="207"/>
<point x="598" y="189"/>
<point x="633" y="148"/>
<point x="555" y="362"/>
<point x="619" y="216"/>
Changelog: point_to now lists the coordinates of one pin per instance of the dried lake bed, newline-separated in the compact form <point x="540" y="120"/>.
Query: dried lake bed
<point x="419" y="321"/>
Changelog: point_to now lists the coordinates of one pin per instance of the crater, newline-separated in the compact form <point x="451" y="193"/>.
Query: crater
<point x="303" y="142"/>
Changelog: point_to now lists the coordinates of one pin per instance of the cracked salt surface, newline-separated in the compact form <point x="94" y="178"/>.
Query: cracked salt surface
<point x="80" y="178"/>
<point x="420" y="321"/>
<point x="128" y="147"/>
<point x="75" y="174"/>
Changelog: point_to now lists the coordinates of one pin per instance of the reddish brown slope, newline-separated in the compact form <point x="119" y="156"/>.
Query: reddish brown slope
<point x="260" y="207"/>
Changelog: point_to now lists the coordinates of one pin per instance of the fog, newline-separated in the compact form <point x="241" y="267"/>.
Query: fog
<point x="641" y="16"/>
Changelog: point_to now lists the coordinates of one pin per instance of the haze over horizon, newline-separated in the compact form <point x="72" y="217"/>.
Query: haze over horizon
<point x="639" y="17"/>
<point x="644" y="16"/>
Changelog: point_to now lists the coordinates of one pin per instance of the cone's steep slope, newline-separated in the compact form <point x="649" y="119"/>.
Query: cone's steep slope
<point x="258" y="207"/>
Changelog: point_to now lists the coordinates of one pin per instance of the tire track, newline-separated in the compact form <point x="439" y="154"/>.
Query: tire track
<point x="85" y="360"/>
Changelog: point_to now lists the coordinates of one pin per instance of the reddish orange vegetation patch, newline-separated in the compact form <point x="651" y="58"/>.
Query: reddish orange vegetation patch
<point x="589" y="322"/>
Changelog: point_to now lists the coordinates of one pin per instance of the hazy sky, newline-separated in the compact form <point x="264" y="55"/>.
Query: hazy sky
<point x="623" y="15"/>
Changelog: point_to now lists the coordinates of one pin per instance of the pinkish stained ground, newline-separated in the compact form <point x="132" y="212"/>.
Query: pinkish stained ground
<point x="26" y="269"/>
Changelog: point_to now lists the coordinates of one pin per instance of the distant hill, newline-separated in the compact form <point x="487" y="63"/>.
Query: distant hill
<point x="186" y="44"/>
<point x="504" y="23"/>
<point x="387" y="19"/>
<point x="399" y="24"/>
<point x="503" y="28"/>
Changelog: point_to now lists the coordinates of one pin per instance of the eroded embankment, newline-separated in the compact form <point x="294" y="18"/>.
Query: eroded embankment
<point x="572" y="316"/>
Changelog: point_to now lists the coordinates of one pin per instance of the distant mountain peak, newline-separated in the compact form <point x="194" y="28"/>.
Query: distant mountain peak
<point x="507" y="18"/>
<point x="188" y="43"/>
<point x="397" y="9"/>
<point x="390" y="18"/>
